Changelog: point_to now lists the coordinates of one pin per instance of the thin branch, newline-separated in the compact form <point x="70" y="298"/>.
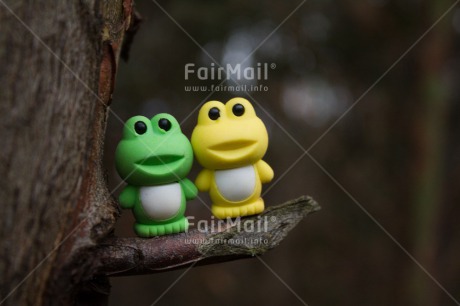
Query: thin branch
<point x="238" y="238"/>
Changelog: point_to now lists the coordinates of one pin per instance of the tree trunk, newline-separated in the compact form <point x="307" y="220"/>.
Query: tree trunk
<point x="430" y="133"/>
<point x="58" y="62"/>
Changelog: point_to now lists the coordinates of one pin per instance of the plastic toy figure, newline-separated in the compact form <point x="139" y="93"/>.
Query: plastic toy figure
<point x="154" y="158"/>
<point x="229" y="141"/>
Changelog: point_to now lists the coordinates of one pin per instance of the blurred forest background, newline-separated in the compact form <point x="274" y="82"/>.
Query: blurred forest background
<point x="395" y="155"/>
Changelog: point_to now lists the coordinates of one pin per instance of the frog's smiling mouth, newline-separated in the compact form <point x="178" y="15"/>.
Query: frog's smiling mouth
<point x="159" y="160"/>
<point x="160" y="163"/>
<point x="232" y="145"/>
<point x="233" y="149"/>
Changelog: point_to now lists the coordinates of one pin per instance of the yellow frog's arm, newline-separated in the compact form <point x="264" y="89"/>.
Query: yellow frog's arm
<point x="203" y="180"/>
<point x="265" y="171"/>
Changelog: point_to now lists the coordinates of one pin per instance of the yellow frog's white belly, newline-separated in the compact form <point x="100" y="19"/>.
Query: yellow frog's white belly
<point x="236" y="185"/>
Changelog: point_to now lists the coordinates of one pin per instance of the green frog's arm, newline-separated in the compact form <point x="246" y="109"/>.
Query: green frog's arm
<point x="265" y="171"/>
<point x="203" y="180"/>
<point x="128" y="196"/>
<point x="189" y="189"/>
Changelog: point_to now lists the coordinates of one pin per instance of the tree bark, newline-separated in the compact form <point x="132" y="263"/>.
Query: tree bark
<point x="215" y="242"/>
<point x="58" y="65"/>
<point x="429" y="134"/>
<point x="59" y="62"/>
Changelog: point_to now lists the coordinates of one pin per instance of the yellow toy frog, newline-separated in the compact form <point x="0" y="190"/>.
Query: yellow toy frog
<point x="229" y="141"/>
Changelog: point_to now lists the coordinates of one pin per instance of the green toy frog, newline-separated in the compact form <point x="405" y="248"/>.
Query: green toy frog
<point x="154" y="158"/>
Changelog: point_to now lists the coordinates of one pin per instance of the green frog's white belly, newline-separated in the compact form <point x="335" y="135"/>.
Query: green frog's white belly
<point x="237" y="184"/>
<point x="161" y="202"/>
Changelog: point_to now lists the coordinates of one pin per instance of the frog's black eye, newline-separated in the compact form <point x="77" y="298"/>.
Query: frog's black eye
<point x="140" y="127"/>
<point x="238" y="109"/>
<point x="164" y="124"/>
<point x="214" y="113"/>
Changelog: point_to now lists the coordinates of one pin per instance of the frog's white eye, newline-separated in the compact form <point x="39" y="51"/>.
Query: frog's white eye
<point x="214" y="113"/>
<point x="164" y="124"/>
<point x="140" y="127"/>
<point x="238" y="109"/>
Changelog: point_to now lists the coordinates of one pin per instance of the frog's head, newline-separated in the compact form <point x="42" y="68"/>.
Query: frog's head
<point x="153" y="151"/>
<point x="229" y="135"/>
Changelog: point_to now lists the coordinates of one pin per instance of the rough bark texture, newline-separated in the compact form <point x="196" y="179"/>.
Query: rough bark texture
<point x="236" y="239"/>
<point x="58" y="62"/>
<point x="58" y="65"/>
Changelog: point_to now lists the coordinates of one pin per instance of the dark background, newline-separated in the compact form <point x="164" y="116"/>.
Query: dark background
<point x="386" y="174"/>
